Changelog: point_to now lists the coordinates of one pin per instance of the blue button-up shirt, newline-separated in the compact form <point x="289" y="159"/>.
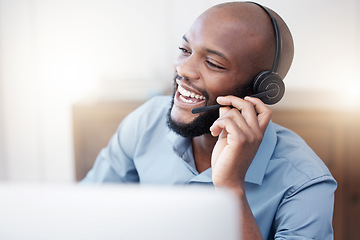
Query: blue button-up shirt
<point x="289" y="189"/>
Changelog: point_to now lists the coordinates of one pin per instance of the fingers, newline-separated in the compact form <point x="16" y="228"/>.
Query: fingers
<point x="228" y="128"/>
<point x="263" y="112"/>
<point x="249" y="117"/>
<point x="253" y="110"/>
<point x="228" y="120"/>
<point x="217" y="130"/>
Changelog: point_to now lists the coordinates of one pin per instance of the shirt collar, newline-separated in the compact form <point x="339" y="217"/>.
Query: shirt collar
<point x="257" y="169"/>
<point x="180" y="144"/>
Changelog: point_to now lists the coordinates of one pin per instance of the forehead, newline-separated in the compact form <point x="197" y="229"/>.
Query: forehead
<point x="233" y="37"/>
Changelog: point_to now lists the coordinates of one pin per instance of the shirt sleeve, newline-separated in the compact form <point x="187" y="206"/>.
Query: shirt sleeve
<point x="112" y="165"/>
<point x="115" y="163"/>
<point x="307" y="212"/>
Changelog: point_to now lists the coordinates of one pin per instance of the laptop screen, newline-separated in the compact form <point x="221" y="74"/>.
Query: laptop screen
<point x="29" y="211"/>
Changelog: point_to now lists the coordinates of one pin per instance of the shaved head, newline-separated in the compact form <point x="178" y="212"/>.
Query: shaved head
<point x="257" y="33"/>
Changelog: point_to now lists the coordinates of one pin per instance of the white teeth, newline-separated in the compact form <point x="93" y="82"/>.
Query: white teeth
<point x="187" y="93"/>
<point x="185" y="100"/>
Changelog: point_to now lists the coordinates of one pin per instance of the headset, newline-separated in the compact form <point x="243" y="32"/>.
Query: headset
<point x="270" y="79"/>
<point x="268" y="85"/>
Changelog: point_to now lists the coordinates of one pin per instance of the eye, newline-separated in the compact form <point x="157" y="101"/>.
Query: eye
<point x="213" y="65"/>
<point x="184" y="50"/>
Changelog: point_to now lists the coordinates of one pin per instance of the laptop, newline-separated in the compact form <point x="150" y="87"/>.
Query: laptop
<point x="127" y="212"/>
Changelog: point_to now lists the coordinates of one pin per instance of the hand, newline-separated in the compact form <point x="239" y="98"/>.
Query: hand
<point x="240" y="131"/>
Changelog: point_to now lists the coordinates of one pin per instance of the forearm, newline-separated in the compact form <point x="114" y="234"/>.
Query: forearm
<point x="248" y="226"/>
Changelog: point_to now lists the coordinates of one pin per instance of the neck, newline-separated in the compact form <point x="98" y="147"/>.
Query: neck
<point x="202" y="150"/>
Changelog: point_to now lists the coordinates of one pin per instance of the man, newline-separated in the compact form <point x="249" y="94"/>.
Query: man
<point x="284" y="189"/>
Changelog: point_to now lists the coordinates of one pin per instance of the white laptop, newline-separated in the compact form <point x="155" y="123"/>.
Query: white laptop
<point x="126" y="212"/>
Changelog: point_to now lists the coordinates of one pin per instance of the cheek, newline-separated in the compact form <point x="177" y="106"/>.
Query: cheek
<point x="177" y="61"/>
<point x="221" y="87"/>
<point x="180" y="60"/>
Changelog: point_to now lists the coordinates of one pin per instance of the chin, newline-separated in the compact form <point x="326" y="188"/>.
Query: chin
<point x="182" y="116"/>
<point x="190" y="125"/>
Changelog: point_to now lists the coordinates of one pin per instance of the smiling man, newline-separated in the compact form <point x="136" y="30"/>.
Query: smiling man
<point x="284" y="189"/>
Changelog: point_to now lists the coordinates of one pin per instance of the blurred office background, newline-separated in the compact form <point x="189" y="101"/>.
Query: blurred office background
<point x="55" y="54"/>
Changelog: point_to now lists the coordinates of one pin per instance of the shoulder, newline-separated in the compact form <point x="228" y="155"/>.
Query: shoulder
<point x="298" y="163"/>
<point x="150" y="112"/>
<point x="155" y="106"/>
<point x="146" y="122"/>
<point x="147" y="118"/>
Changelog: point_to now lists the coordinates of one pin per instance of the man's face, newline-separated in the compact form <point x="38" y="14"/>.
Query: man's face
<point x="213" y="61"/>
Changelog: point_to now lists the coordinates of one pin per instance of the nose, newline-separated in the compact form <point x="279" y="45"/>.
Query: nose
<point x="188" y="67"/>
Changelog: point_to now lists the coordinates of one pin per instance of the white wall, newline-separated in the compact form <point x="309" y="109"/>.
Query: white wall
<point x="3" y="167"/>
<point x="19" y="95"/>
<point x="54" y="53"/>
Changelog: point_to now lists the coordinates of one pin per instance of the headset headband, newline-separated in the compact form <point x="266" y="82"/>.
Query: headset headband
<point x="277" y="39"/>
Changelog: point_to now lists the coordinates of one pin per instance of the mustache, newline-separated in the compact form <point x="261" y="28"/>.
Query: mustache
<point x="188" y="82"/>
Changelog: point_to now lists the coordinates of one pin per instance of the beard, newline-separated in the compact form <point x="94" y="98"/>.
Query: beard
<point x="200" y="125"/>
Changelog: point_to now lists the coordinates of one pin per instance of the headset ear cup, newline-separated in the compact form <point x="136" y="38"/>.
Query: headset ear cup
<point x="267" y="80"/>
<point x="258" y="79"/>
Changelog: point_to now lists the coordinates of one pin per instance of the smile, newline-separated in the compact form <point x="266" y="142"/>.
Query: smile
<point x="188" y="96"/>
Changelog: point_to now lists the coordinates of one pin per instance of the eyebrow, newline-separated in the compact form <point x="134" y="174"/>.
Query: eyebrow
<point x="209" y="50"/>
